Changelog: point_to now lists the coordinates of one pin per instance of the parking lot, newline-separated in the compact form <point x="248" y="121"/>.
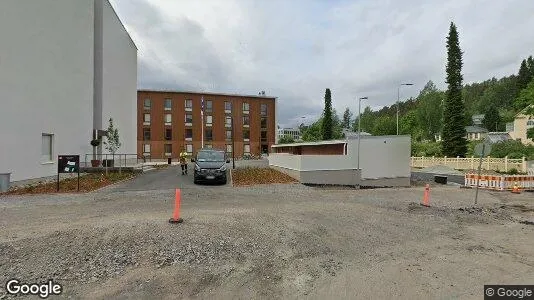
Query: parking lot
<point x="276" y="241"/>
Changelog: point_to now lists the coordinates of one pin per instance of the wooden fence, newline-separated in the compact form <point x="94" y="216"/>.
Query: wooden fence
<point x="471" y="163"/>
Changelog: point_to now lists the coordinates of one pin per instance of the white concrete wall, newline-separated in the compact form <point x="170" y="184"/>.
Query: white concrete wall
<point x="119" y="80"/>
<point x="326" y="162"/>
<point x="46" y="82"/>
<point x="382" y="156"/>
<point x="284" y="160"/>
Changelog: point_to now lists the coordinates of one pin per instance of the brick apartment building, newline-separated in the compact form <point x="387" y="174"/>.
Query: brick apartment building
<point x="168" y="121"/>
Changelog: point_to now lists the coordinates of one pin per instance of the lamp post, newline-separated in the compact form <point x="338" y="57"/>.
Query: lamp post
<point x="359" y="130"/>
<point x="398" y="102"/>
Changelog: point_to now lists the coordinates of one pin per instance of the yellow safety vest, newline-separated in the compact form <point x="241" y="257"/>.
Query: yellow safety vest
<point x="183" y="156"/>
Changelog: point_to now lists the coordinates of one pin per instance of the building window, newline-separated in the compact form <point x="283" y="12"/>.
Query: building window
<point x="168" y="134"/>
<point x="264" y="123"/>
<point x="246" y="121"/>
<point x="46" y="147"/>
<point x="228" y="122"/>
<point x="189" y="148"/>
<point x="168" y="119"/>
<point x="168" y="149"/>
<point x="246" y="134"/>
<point x="209" y="105"/>
<point x="530" y="123"/>
<point x="245" y="106"/>
<point x="146" y="149"/>
<point x="209" y="120"/>
<point x="146" y="119"/>
<point x="168" y="104"/>
<point x="229" y="148"/>
<point x="264" y="136"/>
<point x="227" y="106"/>
<point x="146" y="134"/>
<point x="147" y="103"/>
<point x="189" y="118"/>
<point x="246" y="149"/>
<point x="263" y="109"/>
<point x="228" y="134"/>
<point x="189" y="133"/>
<point x="188" y="104"/>
<point x="209" y="135"/>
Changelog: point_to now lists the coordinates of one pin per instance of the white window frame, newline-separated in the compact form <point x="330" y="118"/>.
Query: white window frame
<point x="47" y="158"/>
<point x="209" y="108"/>
<point x="146" y="121"/>
<point x="244" y="139"/>
<point x="246" y="125"/>
<point x="245" y="149"/>
<point x="226" y="110"/>
<point x="229" y="148"/>
<point x="165" y="101"/>
<point x="247" y="105"/>
<point x="228" y="122"/>
<point x="185" y="135"/>
<point x="188" y="107"/>
<point x="149" y="104"/>
<point x="226" y="134"/>
<point x="146" y="149"/>
<point x="188" y="123"/>
<point x="209" y="120"/>
<point x="189" y="148"/>
<point x="164" y="149"/>
<point x="168" y="119"/>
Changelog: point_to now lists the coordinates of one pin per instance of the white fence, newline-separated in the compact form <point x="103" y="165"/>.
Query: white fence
<point x="471" y="163"/>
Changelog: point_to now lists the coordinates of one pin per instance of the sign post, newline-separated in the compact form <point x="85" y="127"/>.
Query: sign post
<point x="68" y="164"/>
<point x="482" y="149"/>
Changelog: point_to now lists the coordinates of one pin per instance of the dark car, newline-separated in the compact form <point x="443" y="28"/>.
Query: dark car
<point x="210" y="165"/>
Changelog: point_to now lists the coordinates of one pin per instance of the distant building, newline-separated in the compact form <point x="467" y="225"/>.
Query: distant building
<point x="292" y="132"/>
<point x="475" y="133"/>
<point x="495" y="137"/>
<point x="477" y="119"/>
<point x="522" y="122"/>
<point x="349" y="134"/>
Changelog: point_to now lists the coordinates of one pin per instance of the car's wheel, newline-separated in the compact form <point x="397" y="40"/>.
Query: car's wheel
<point x="195" y="181"/>
<point x="224" y="181"/>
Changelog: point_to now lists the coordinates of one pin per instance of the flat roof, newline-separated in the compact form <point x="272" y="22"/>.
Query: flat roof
<point x="203" y="93"/>
<point x="330" y="142"/>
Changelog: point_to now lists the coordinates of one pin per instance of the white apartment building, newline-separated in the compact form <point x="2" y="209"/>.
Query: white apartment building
<point x="66" y="67"/>
<point x="293" y="132"/>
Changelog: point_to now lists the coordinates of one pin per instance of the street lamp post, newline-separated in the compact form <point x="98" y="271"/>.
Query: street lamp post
<point x="359" y="132"/>
<point x="398" y="102"/>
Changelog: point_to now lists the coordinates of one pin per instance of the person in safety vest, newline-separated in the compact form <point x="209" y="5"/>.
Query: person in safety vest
<point x="183" y="161"/>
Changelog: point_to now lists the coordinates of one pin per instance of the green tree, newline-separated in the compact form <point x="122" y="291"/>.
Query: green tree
<point x="368" y="120"/>
<point x="286" y="139"/>
<point x="530" y="133"/>
<point x="430" y="111"/>
<point x="112" y="142"/>
<point x="328" y="122"/>
<point x="454" y="141"/>
<point x="526" y="97"/>
<point x="524" y="75"/>
<point x="492" y="119"/>
<point x="347" y="117"/>
<point x="385" y="125"/>
<point x="312" y="133"/>
<point x="530" y="65"/>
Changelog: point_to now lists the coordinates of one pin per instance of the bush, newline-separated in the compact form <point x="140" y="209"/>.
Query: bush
<point x="426" y="149"/>
<point x="513" y="171"/>
<point x="512" y="149"/>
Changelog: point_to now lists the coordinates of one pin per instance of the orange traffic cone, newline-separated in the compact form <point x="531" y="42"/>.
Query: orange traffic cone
<point x="176" y="215"/>
<point x="515" y="189"/>
<point x="426" y="197"/>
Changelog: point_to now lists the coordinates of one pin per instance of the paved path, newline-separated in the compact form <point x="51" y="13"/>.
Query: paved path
<point x="162" y="179"/>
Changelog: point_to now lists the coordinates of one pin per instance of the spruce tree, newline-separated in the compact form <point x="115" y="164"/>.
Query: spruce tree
<point x="327" y="124"/>
<point x="492" y="120"/>
<point x="524" y="76"/>
<point x="347" y="116"/>
<point x="454" y="117"/>
<point x="530" y="66"/>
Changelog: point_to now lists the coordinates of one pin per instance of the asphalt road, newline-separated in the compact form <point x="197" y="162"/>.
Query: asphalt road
<point x="162" y="179"/>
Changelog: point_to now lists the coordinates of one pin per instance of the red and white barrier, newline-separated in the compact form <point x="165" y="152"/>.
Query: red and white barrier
<point x="500" y="183"/>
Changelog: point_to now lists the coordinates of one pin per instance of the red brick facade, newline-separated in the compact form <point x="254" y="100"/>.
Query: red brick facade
<point x="171" y="136"/>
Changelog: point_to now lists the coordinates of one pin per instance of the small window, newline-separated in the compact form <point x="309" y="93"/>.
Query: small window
<point x="168" y="119"/>
<point x="263" y="122"/>
<point x="228" y="121"/>
<point x="246" y="134"/>
<point x="209" y="105"/>
<point x="146" y="134"/>
<point x="189" y="133"/>
<point x="146" y="119"/>
<point x="263" y="109"/>
<point x="168" y="149"/>
<point x="209" y="120"/>
<point x="189" y="148"/>
<point x="246" y="149"/>
<point x="168" y="134"/>
<point x="246" y="120"/>
<point x="188" y="118"/>
<point x="245" y="106"/>
<point x="147" y="103"/>
<point x="188" y="103"/>
<point x="227" y="105"/>
<point x="264" y="136"/>
<point x="209" y="135"/>
<point x="168" y="104"/>
<point x="530" y="123"/>
<point x="146" y="148"/>
<point x="229" y="148"/>
<point x="46" y="147"/>
<point x="228" y="134"/>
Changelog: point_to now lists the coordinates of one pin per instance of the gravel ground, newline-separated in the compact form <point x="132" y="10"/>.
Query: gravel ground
<point x="269" y="241"/>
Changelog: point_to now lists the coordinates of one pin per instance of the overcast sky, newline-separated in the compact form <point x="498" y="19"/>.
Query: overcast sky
<point x="294" y="49"/>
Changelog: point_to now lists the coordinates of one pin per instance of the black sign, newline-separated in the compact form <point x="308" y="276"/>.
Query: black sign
<point x="68" y="163"/>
